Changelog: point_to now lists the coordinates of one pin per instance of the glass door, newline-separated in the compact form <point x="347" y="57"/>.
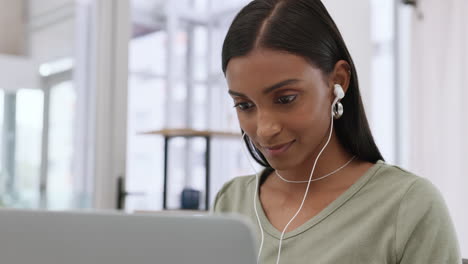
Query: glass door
<point x="21" y="119"/>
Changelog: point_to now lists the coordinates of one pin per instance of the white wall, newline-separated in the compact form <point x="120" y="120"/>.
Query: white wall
<point x="51" y="28"/>
<point x="438" y="95"/>
<point x="355" y="28"/>
<point x="18" y="73"/>
<point x="42" y="7"/>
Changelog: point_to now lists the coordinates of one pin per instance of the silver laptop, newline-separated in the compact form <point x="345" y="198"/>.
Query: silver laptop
<point x="42" y="237"/>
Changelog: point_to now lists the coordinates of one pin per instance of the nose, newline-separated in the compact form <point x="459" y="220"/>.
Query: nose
<point x="267" y="125"/>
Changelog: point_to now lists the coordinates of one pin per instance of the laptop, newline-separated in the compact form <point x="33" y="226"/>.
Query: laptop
<point x="44" y="237"/>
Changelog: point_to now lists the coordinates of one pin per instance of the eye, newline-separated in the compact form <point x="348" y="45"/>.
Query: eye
<point x="286" y="99"/>
<point x="244" y="106"/>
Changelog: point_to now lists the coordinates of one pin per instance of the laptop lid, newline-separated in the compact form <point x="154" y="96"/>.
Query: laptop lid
<point x="43" y="237"/>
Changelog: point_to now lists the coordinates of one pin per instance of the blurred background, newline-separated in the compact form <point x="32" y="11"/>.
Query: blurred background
<point x="122" y="104"/>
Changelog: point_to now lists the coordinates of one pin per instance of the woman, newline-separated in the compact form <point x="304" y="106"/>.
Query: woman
<point x="325" y="195"/>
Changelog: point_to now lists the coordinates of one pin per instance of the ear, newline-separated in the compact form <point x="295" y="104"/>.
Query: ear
<point x="341" y="75"/>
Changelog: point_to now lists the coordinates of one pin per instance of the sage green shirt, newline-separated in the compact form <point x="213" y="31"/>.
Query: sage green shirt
<point x="387" y="216"/>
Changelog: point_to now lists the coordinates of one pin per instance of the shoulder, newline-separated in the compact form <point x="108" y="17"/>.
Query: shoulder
<point x="396" y="173"/>
<point x="409" y="193"/>
<point x="236" y="186"/>
<point x="422" y="199"/>
<point x="400" y="189"/>
<point x="234" y="192"/>
<point x="394" y="179"/>
<point x="423" y="226"/>
<point x="422" y="223"/>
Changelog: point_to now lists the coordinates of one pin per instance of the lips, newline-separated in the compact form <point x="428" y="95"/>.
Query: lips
<point x="278" y="149"/>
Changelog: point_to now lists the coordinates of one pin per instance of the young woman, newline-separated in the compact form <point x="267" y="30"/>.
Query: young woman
<point x="326" y="195"/>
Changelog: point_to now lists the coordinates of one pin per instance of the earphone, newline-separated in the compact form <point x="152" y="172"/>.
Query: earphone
<point x="338" y="91"/>
<point x="257" y="180"/>
<point x="339" y="94"/>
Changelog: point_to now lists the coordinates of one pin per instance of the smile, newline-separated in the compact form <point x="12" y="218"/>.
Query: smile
<point x="277" y="149"/>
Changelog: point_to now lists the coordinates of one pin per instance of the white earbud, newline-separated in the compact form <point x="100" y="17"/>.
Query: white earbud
<point x="339" y="93"/>
<point x="337" y="107"/>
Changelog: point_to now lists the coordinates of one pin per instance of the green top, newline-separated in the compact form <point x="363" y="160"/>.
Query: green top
<point x="387" y="216"/>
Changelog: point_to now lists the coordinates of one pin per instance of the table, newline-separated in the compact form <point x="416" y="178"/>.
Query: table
<point x="189" y="133"/>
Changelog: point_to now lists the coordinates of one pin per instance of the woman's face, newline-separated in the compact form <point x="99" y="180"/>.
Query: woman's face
<point x="283" y="104"/>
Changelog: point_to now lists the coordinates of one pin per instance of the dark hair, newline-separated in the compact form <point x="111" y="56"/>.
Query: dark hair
<point x="304" y="28"/>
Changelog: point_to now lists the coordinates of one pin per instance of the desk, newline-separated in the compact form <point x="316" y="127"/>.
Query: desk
<point x="189" y="133"/>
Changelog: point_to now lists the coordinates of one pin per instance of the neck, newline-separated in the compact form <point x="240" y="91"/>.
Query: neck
<point x="333" y="157"/>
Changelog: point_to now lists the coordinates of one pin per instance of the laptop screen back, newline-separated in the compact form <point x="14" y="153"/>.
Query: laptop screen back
<point x="111" y="238"/>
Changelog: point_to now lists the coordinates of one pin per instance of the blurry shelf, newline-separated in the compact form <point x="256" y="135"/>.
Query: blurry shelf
<point x="183" y="132"/>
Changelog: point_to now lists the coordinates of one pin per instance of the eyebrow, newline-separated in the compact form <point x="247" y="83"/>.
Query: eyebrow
<point x="269" y="89"/>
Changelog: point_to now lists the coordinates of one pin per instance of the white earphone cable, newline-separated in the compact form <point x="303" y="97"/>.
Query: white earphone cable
<point x="255" y="202"/>
<point x="319" y="178"/>
<point x="308" y="185"/>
